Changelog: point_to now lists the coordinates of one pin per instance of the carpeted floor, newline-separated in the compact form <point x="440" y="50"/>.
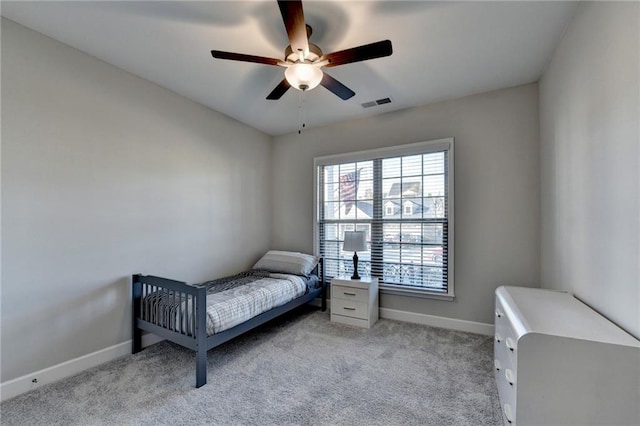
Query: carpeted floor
<point x="298" y="370"/>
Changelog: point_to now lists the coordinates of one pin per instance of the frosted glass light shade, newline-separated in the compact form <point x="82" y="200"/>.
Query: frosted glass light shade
<point x="303" y="76"/>
<point x="354" y="241"/>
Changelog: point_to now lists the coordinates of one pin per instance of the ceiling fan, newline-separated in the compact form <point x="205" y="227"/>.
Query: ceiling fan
<point x="303" y="60"/>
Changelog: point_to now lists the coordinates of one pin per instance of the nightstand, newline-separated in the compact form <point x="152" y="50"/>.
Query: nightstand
<point x="354" y="302"/>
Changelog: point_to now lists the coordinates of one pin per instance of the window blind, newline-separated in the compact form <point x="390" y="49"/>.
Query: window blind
<point x="403" y="203"/>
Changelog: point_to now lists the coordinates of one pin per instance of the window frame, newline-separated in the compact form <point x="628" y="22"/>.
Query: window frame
<point x="426" y="147"/>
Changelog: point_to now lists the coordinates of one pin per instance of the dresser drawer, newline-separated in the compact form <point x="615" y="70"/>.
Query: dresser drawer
<point x="506" y="358"/>
<point x="508" y="394"/>
<point x="506" y="338"/>
<point x="349" y="293"/>
<point x="350" y="308"/>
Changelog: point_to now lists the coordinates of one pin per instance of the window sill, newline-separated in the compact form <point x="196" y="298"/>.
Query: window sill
<point x="410" y="292"/>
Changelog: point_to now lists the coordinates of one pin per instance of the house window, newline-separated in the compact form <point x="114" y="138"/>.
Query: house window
<point x="402" y="197"/>
<point x="389" y="209"/>
<point x="408" y="208"/>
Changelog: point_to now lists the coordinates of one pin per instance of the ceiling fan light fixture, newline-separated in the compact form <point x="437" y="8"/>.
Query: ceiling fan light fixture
<point x="303" y="76"/>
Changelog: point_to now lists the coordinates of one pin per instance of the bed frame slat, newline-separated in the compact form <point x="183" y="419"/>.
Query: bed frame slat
<point x="193" y="317"/>
<point x="181" y="314"/>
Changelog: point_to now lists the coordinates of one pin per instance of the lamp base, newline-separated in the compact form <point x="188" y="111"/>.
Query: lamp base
<point x="355" y="275"/>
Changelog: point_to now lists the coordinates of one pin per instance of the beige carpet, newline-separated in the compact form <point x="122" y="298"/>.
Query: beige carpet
<point x="298" y="370"/>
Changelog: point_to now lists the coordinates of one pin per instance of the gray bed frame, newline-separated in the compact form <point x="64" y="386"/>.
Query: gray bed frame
<point x="152" y="322"/>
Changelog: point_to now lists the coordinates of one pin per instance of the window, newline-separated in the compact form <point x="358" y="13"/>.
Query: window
<point x="402" y="197"/>
<point x="389" y="209"/>
<point x="408" y="208"/>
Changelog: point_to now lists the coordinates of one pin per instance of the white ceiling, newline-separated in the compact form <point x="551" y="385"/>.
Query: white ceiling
<point x="441" y="50"/>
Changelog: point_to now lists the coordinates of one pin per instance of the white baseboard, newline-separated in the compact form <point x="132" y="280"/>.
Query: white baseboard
<point x="436" y="321"/>
<point x="31" y="381"/>
<point x="431" y="320"/>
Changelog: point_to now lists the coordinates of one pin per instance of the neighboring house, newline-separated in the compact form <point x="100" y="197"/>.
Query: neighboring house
<point x="407" y="200"/>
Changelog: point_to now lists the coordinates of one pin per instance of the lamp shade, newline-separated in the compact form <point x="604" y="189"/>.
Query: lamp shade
<point x="354" y="241"/>
<point x="303" y="76"/>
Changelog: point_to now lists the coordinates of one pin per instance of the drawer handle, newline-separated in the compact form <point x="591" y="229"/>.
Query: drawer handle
<point x="509" y="343"/>
<point x="498" y="338"/>
<point x="348" y="309"/>
<point x="498" y="314"/>
<point x="497" y="365"/>
<point x="349" y="294"/>
<point x="507" y="413"/>
<point x="509" y="375"/>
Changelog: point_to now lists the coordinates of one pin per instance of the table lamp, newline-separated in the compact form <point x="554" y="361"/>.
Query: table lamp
<point x="354" y="241"/>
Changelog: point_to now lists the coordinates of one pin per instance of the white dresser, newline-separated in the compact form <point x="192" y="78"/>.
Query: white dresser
<point x="559" y="362"/>
<point x="354" y="302"/>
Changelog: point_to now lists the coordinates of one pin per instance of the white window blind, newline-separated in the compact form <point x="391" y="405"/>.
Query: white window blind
<point x="402" y="197"/>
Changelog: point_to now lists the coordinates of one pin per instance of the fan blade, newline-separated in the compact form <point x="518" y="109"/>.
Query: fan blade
<point x="245" y="58"/>
<point x="293" y="18"/>
<point x="337" y="88"/>
<point x="279" y="90"/>
<point x="361" y="53"/>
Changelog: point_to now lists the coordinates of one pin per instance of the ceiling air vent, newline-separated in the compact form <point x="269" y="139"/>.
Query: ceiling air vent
<point x="376" y="102"/>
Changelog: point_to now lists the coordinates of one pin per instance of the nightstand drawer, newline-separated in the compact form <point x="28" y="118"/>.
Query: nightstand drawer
<point x="349" y="293"/>
<point x="350" y="308"/>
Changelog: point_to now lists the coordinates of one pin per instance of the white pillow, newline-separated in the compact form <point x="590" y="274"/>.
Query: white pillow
<point x="287" y="262"/>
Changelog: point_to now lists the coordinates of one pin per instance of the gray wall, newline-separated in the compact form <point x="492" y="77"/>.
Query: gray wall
<point x="104" y="175"/>
<point x="496" y="189"/>
<point x="589" y="118"/>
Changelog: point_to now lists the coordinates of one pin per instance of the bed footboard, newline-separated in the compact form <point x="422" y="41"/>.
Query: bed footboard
<point x="173" y="310"/>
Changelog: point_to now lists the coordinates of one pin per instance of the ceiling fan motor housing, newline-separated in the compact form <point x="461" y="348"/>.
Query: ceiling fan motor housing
<point x="314" y="54"/>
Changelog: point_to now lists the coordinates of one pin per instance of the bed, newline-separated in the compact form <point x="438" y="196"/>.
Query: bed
<point x="205" y="315"/>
